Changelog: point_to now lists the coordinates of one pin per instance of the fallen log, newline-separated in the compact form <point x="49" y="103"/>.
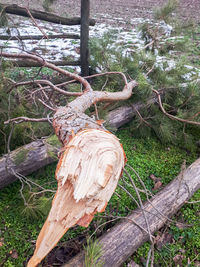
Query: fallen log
<point x="39" y="37"/>
<point x="124" y="114"/>
<point x="27" y="159"/>
<point x="31" y="63"/>
<point x="46" y="16"/>
<point x="126" y="237"/>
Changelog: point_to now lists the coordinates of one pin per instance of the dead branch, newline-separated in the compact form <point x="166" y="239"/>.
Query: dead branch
<point x="44" y="63"/>
<point x="35" y="23"/>
<point x="25" y="119"/>
<point x="51" y="85"/>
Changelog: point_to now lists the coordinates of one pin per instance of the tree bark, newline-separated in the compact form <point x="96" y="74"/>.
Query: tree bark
<point x="126" y="237"/>
<point x="27" y="159"/>
<point x="46" y="16"/>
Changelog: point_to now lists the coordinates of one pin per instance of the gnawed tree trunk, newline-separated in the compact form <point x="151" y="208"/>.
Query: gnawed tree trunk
<point x="125" y="238"/>
<point x="28" y="159"/>
<point x="46" y="16"/>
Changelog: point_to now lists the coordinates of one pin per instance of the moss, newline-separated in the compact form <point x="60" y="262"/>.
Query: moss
<point x="20" y="156"/>
<point x="52" y="154"/>
<point x="53" y="140"/>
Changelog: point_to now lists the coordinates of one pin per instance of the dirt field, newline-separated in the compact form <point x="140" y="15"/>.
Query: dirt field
<point x="104" y="10"/>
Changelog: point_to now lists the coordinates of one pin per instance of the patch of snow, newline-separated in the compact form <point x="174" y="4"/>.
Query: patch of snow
<point x="123" y="40"/>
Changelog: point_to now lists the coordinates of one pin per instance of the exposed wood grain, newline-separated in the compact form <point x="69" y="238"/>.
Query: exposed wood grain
<point x="126" y="237"/>
<point x="87" y="174"/>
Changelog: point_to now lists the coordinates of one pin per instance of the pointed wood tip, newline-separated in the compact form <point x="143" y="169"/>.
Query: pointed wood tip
<point x="34" y="261"/>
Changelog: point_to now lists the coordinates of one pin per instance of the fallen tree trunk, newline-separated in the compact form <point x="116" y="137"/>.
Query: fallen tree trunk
<point x="31" y="63"/>
<point x="27" y="159"/>
<point x="46" y="16"/>
<point x="125" y="114"/>
<point x="126" y="237"/>
<point x="39" y="37"/>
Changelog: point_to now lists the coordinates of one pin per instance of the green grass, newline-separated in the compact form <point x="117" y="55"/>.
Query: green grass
<point x="19" y="225"/>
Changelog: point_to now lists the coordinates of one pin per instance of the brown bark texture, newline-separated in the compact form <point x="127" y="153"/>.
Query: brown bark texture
<point x="126" y="237"/>
<point x="27" y="159"/>
<point x="46" y="16"/>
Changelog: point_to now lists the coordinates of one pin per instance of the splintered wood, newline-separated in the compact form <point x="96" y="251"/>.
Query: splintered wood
<point x="87" y="175"/>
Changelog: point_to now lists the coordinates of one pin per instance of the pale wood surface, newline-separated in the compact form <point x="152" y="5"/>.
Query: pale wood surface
<point x="87" y="175"/>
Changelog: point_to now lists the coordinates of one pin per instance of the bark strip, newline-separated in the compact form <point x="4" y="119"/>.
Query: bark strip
<point x="126" y="237"/>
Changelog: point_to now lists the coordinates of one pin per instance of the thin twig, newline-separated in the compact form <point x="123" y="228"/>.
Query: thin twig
<point x="24" y="119"/>
<point x="35" y="23"/>
<point x="171" y="116"/>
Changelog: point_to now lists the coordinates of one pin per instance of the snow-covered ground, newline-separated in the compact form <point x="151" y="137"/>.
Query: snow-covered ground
<point x="59" y="49"/>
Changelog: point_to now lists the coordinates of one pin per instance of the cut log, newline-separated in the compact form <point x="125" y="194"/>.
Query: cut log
<point x="39" y="37"/>
<point x="28" y="159"/>
<point x="126" y="237"/>
<point x="46" y="16"/>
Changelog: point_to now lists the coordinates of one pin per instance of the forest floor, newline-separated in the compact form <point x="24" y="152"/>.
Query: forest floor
<point x="18" y="228"/>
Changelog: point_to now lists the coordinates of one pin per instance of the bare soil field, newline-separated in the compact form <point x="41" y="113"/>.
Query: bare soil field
<point x="104" y="10"/>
